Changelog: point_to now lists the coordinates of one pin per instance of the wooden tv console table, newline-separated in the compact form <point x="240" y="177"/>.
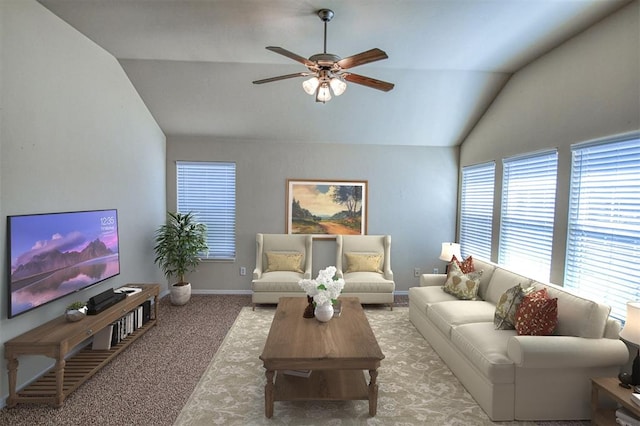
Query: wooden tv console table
<point x="57" y="338"/>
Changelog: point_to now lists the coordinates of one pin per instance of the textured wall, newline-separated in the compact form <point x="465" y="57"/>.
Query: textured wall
<point x="75" y="136"/>
<point x="411" y="197"/>
<point x="586" y="89"/>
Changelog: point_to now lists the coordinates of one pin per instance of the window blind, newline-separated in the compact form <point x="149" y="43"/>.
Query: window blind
<point x="603" y="241"/>
<point x="208" y="189"/>
<point x="528" y="208"/>
<point x="476" y="210"/>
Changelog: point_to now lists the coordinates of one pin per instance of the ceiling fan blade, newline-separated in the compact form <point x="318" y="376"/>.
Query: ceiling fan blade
<point x="369" y="82"/>
<point x="281" y="77"/>
<point x="291" y="55"/>
<point x="362" y="58"/>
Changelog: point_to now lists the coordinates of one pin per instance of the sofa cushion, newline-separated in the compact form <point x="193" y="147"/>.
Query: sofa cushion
<point x="487" y="269"/>
<point x="427" y="296"/>
<point x="367" y="282"/>
<point x="363" y="262"/>
<point x="446" y="315"/>
<point x="284" y="261"/>
<point x="501" y="281"/>
<point x="486" y="348"/>
<point x="278" y="281"/>
<point x="463" y="286"/>
<point x="537" y="314"/>
<point x="577" y="316"/>
<point x="505" y="316"/>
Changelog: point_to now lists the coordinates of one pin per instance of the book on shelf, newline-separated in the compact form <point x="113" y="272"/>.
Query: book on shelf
<point x="102" y="339"/>
<point x="298" y="373"/>
<point x="129" y="291"/>
<point x="635" y="398"/>
<point x="626" y="418"/>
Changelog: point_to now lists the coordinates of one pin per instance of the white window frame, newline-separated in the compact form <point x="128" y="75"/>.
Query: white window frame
<point x="208" y="189"/>
<point x="528" y="213"/>
<point x="603" y="232"/>
<point x="476" y="209"/>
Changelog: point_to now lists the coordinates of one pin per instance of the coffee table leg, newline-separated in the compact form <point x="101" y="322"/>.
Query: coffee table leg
<point x="373" y="393"/>
<point x="268" y="394"/>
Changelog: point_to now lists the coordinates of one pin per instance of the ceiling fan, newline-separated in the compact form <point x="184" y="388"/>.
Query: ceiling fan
<point x="328" y="71"/>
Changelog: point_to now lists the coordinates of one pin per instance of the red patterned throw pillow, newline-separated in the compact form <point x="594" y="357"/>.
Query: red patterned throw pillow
<point x="537" y="315"/>
<point x="466" y="266"/>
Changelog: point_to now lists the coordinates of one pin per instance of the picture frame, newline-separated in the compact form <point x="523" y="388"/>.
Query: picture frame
<point x="326" y="208"/>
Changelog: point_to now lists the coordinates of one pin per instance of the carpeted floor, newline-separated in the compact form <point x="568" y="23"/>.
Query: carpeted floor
<point x="151" y="381"/>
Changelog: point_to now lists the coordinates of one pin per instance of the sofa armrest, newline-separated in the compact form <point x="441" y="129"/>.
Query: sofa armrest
<point x="566" y="352"/>
<point x="257" y="274"/>
<point x="432" y="280"/>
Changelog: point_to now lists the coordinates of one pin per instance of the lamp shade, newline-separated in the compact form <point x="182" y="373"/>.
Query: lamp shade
<point x="311" y="85"/>
<point x="631" y="330"/>
<point x="324" y="94"/>
<point x="449" y="250"/>
<point x="338" y="86"/>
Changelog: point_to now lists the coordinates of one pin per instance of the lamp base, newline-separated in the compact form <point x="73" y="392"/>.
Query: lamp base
<point x="635" y="370"/>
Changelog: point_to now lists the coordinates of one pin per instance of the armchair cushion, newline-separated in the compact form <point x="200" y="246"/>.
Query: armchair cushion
<point x="363" y="262"/>
<point x="284" y="261"/>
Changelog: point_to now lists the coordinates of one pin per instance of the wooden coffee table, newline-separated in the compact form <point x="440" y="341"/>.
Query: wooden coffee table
<point x="337" y="352"/>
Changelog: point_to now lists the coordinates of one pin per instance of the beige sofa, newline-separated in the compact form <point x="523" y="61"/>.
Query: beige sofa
<point x="519" y="377"/>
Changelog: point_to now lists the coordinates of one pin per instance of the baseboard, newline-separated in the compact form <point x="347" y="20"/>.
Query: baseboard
<point x="232" y="292"/>
<point x="249" y="292"/>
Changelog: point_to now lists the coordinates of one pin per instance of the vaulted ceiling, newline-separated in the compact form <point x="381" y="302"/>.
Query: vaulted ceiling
<point x="193" y="61"/>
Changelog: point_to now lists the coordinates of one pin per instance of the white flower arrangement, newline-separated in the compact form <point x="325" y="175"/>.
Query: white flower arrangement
<point x="326" y="288"/>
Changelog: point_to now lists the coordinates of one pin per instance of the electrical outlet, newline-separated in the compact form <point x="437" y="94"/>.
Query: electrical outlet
<point x="416" y="272"/>
<point x="243" y="271"/>
<point x="435" y="270"/>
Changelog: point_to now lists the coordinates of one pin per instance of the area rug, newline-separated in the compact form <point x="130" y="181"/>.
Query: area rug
<point x="415" y="386"/>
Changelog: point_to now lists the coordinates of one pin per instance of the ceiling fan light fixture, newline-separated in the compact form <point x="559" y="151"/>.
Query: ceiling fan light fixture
<point x="338" y="86"/>
<point x="311" y="85"/>
<point x="324" y="94"/>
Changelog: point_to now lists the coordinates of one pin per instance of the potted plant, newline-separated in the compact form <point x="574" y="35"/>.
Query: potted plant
<point x="75" y="311"/>
<point x="179" y="244"/>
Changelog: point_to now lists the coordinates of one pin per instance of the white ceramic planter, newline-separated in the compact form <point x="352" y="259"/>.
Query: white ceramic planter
<point x="180" y="294"/>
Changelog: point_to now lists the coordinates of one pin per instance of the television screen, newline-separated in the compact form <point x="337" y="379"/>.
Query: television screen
<point x="55" y="254"/>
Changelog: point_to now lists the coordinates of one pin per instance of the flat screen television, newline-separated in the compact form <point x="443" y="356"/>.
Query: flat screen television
<point x="55" y="254"/>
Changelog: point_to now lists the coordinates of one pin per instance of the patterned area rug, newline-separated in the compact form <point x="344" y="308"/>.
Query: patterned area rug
<point x="416" y="387"/>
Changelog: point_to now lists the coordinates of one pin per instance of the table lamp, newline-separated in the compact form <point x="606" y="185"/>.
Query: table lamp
<point x="449" y="250"/>
<point x="631" y="334"/>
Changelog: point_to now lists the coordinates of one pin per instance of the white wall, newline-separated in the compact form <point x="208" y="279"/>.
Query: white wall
<point x="75" y="135"/>
<point x="411" y="197"/>
<point x="586" y="89"/>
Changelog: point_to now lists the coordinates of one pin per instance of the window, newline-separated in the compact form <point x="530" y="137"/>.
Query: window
<point x="528" y="208"/>
<point x="603" y="241"/>
<point x="476" y="210"/>
<point x="208" y="189"/>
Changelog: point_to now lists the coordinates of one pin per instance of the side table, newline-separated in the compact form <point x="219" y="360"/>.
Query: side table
<point x="609" y="386"/>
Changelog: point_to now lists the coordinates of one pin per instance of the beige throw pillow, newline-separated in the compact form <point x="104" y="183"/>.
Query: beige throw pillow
<point x="284" y="261"/>
<point x="461" y="285"/>
<point x="505" y="315"/>
<point x="363" y="262"/>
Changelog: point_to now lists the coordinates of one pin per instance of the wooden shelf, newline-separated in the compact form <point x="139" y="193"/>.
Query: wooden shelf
<point x="57" y="338"/>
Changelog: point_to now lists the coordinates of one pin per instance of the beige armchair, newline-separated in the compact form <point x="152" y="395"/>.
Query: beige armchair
<point x="281" y="261"/>
<point x="364" y="261"/>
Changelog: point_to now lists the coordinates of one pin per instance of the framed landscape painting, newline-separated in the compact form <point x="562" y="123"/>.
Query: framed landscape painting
<point x="326" y="208"/>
